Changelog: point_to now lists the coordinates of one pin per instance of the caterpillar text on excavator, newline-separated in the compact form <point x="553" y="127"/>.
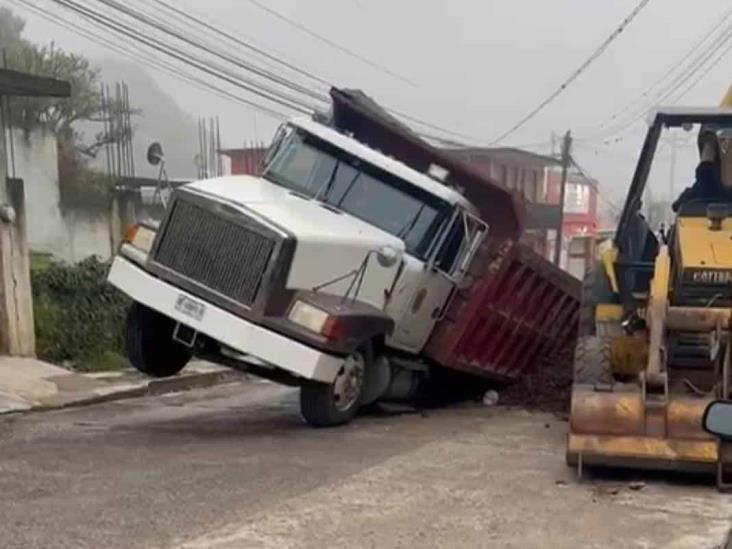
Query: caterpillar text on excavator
<point x="655" y="344"/>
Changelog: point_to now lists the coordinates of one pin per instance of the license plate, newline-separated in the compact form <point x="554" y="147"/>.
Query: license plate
<point x="190" y="307"/>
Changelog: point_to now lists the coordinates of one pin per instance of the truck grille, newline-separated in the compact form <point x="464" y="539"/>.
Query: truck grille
<point x="214" y="252"/>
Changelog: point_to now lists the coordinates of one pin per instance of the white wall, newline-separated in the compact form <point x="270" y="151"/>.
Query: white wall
<point x="70" y="236"/>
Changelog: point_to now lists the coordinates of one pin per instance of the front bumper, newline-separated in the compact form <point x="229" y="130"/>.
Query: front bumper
<point x="239" y="334"/>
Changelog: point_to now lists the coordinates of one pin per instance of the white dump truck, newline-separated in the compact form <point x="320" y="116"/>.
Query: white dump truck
<point x="328" y="272"/>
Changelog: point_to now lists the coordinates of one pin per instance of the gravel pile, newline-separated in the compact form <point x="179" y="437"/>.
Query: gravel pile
<point x="548" y="388"/>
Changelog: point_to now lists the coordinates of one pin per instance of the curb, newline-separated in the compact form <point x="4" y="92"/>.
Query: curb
<point x="184" y="382"/>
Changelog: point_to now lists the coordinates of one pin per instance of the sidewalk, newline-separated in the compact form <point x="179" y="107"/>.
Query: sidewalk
<point x="30" y="384"/>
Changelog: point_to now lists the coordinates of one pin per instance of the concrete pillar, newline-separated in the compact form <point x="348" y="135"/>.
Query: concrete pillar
<point x="17" y="333"/>
<point x="26" y="344"/>
<point x="122" y="215"/>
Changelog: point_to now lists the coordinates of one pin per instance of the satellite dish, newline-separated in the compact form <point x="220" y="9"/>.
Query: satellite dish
<point x="155" y="154"/>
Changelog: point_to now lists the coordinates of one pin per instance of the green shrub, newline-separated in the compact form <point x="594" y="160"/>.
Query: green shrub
<point x="79" y="317"/>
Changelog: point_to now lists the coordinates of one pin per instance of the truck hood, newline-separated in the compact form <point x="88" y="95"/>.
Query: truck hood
<point x="330" y="243"/>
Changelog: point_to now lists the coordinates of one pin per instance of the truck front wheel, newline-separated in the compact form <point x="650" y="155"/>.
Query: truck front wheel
<point x="336" y="403"/>
<point x="150" y="345"/>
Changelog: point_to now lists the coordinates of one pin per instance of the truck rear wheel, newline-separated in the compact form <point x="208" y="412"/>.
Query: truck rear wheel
<point x="592" y="365"/>
<point x="336" y="403"/>
<point x="149" y="343"/>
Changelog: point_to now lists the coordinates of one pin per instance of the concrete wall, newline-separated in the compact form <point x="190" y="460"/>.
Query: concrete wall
<point x="68" y="235"/>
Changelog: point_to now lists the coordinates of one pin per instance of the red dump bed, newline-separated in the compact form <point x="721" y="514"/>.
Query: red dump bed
<point x="519" y="308"/>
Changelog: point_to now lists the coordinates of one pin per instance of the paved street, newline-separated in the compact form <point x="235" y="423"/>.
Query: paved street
<point x="235" y="467"/>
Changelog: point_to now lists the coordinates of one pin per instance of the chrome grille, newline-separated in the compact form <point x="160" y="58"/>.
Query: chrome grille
<point x="214" y="252"/>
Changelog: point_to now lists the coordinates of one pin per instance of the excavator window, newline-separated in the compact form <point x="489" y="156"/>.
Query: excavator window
<point x="635" y="268"/>
<point x="699" y="207"/>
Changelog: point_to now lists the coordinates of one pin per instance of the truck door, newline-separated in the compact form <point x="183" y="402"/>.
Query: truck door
<point x="424" y="289"/>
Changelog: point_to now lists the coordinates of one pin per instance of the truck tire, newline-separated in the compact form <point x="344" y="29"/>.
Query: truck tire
<point x="149" y="343"/>
<point x="332" y="404"/>
<point x="595" y="289"/>
<point x="592" y="365"/>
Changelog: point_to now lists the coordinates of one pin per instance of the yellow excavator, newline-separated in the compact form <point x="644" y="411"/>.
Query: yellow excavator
<point x="655" y="344"/>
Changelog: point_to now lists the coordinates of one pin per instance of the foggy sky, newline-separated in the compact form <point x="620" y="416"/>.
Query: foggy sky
<point x="480" y="64"/>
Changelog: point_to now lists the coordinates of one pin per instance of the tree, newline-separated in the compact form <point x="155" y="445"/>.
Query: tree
<point x="60" y="116"/>
<point x="11" y="28"/>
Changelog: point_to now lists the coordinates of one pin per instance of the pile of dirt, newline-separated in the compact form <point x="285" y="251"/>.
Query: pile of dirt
<point x="547" y="388"/>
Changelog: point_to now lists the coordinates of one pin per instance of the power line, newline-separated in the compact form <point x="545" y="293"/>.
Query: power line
<point x="701" y="39"/>
<point x="157" y="45"/>
<point x="217" y="30"/>
<point x="129" y="53"/>
<point x="414" y="119"/>
<point x="240" y="42"/>
<point x="100" y="19"/>
<point x="208" y="26"/>
<point x="704" y="74"/>
<point x="696" y="65"/>
<point x="576" y="74"/>
<point x="331" y="43"/>
<point x="186" y="39"/>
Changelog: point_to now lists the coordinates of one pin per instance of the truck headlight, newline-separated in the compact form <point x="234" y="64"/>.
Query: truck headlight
<point x="308" y="316"/>
<point x="141" y="237"/>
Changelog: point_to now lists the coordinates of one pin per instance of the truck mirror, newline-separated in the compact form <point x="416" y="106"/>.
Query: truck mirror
<point x="155" y="154"/>
<point x="387" y="256"/>
<point x="717" y="419"/>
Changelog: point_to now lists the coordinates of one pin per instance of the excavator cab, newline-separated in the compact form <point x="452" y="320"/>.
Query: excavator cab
<point x="655" y="345"/>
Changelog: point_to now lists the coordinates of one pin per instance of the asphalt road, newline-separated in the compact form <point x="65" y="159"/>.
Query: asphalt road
<point x="234" y="467"/>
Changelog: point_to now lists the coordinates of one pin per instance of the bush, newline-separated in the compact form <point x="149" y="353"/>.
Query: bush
<point x="79" y="317"/>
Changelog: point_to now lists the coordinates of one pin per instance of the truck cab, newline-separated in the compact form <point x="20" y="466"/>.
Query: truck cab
<point x="324" y="273"/>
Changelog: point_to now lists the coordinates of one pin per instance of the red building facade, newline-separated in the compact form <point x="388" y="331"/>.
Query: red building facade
<point x="538" y="179"/>
<point x="245" y="161"/>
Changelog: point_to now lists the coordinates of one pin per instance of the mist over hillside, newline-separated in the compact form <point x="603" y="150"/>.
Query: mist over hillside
<point x="161" y="119"/>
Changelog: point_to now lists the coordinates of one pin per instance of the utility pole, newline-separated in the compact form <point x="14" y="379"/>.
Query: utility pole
<point x="553" y="141"/>
<point x="566" y="159"/>
<point x="672" y="170"/>
<point x="672" y="179"/>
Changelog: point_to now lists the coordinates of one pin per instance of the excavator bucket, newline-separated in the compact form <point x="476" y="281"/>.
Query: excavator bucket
<point x="619" y="429"/>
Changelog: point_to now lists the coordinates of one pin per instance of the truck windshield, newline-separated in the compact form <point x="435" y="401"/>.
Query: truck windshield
<point x="315" y="168"/>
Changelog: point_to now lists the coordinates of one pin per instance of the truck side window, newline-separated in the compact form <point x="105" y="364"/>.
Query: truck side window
<point x="448" y="258"/>
<point x="343" y="179"/>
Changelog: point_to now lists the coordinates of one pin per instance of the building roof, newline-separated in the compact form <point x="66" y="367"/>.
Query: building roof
<point x="20" y="83"/>
<point x="506" y="152"/>
<point x="243" y="150"/>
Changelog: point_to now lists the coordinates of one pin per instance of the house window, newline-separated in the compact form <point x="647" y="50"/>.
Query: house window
<point x="531" y="186"/>
<point x="577" y="198"/>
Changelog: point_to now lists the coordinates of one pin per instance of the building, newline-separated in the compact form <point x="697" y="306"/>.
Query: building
<point x="538" y="179"/>
<point x="525" y="173"/>
<point x="579" y="229"/>
<point x="245" y="161"/>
